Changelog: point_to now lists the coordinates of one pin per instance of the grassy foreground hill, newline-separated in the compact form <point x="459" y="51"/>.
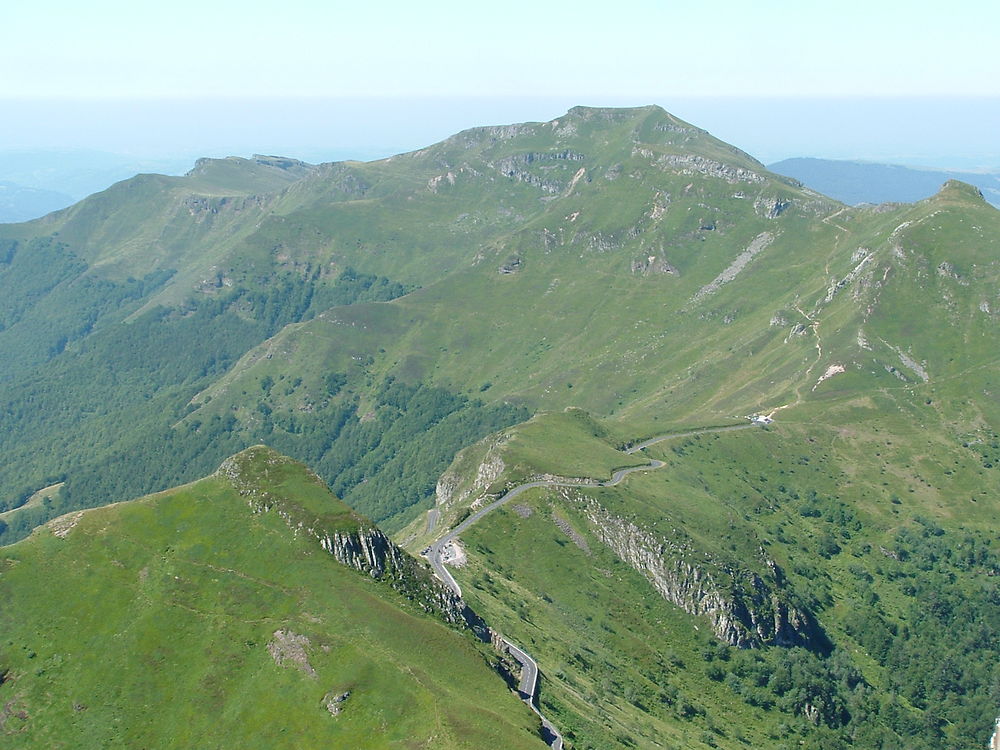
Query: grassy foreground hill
<point x="188" y="619"/>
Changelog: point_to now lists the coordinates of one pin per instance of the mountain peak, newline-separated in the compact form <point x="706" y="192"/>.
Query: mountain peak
<point x="623" y="113"/>
<point x="956" y="190"/>
<point x="277" y="480"/>
<point x="595" y="135"/>
<point x="239" y="175"/>
<point x="283" y="162"/>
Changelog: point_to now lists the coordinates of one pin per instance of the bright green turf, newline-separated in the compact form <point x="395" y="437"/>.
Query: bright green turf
<point x="148" y="626"/>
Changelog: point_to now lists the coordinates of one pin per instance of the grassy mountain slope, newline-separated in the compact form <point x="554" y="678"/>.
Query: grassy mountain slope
<point x="245" y="262"/>
<point x="187" y="619"/>
<point x="873" y="494"/>
<point x="869" y="521"/>
<point x="621" y="261"/>
<point x="664" y="348"/>
<point x="619" y="274"/>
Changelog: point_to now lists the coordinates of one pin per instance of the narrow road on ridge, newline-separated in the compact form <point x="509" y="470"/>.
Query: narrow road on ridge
<point x="528" y="687"/>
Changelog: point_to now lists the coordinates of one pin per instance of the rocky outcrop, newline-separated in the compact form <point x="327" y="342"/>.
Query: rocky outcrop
<point x="692" y="164"/>
<point x="509" y="169"/>
<point x="434" y="182"/>
<point x="746" y="609"/>
<point x="759" y="243"/>
<point x="288" y="649"/>
<point x="598" y="242"/>
<point x="285" y="163"/>
<point x="354" y="541"/>
<point x="564" y="155"/>
<point x="509" y="266"/>
<point x="506" y="132"/>
<point x="486" y="456"/>
<point x="517" y="168"/>
<point x="770" y="207"/>
<point x="370" y="551"/>
<point x="677" y="127"/>
<point x="342" y="182"/>
<point x="202" y="207"/>
<point x="334" y="702"/>
<point x="653" y="264"/>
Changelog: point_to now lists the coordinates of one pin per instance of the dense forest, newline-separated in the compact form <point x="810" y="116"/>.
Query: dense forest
<point x="938" y="646"/>
<point x="151" y="366"/>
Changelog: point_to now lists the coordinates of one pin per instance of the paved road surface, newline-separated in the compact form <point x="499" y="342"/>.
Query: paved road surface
<point x="529" y="668"/>
<point x="529" y="689"/>
<point x="432" y="519"/>
<point x="690" y="433"/>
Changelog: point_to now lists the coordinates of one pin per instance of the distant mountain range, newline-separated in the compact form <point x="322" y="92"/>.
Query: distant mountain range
<point x="35" y="182"/>
<point x="20" y="203"/>
<point x="857" y="182"/>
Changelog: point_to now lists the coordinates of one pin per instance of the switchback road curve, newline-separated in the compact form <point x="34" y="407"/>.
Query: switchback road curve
<point x="528" y="687"/>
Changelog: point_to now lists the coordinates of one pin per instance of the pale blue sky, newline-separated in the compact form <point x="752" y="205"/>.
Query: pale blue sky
<point x="917" y="81"/>
<point x="640" y="48"/>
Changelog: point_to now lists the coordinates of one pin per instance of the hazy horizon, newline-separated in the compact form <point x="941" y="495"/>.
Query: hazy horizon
<point x="953" y="132"/>
<point x="164" y="85"/>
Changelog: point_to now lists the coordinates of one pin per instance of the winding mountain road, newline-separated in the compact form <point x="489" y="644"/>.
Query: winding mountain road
<point x="528" y="687"/>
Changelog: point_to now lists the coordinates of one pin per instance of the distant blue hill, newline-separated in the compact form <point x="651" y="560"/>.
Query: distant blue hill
<point x="856" y="182"/>
<point x="80" y="172"/>
<point x="20" y="203"/>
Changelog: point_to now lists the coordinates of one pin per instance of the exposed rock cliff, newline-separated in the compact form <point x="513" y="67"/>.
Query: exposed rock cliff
<point x="351" y="539"/>
<point x="517" y="168"/>
<point x="482" y="461"/>
<point x="692" y="164"/>
<point x="746" y="609"/>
